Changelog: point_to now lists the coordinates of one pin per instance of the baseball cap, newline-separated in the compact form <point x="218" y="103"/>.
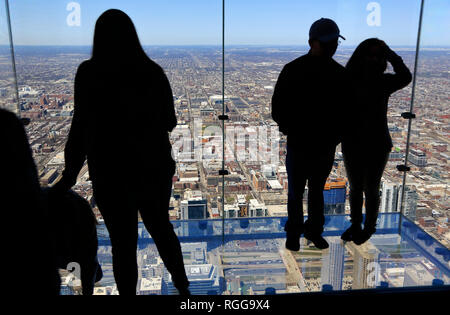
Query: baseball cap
<point x="324" y="30"/>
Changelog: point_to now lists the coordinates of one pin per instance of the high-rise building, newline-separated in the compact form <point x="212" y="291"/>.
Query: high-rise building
<point x="231" y="211"/>
<point x="332" y="271"/>
<point x="151" y="286"/>
<point x="418" y="158"/>
<point x="193" y="208"/>
<point x="244" y="209"/>
<point x="389" y="197"/>
<point x="243" y="206"/>
<point x="203" y="280"/>
<point x="396" y="155"/>
<point x="416" y="275"/>
<point x="257" y="209"/>
<point x="410" y="199"/>
<point x="366" y="273"/>
<point x="195" y="253"/>
<point x="334" y="194"/>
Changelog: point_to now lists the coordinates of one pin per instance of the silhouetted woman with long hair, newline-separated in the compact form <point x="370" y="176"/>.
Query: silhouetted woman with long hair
<point x="367" y="142"/>
<point x="123" y="112"/>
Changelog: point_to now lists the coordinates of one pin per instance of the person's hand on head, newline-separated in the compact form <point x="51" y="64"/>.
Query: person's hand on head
<point x="390" y="54"/>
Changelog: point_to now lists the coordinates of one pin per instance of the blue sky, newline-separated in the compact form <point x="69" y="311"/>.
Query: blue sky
<point x="260" y="22"/>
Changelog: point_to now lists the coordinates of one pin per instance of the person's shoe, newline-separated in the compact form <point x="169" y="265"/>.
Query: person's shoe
<point x="293" y="243"/>
<point x="293" y="238"/>
<point x="317" y="240"/>
<point x="351" y="232"/>
<point x="184" y="292"/>
<point x="181" y="284"/>
<point x="99" y="273"/>
<point x="363" y="236"/>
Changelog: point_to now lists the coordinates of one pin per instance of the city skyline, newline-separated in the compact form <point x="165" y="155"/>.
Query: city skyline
<point x="46" y="91"/>
<point x="235" y="243"/>
<point x="253" y="257"/>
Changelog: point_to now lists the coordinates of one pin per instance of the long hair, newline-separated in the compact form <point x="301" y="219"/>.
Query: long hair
<point x="116" y="39"/>
<point x="355" y="65"/>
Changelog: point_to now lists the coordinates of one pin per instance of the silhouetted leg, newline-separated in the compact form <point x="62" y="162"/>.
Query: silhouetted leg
<point x="296" y="188"/>
<point x="316" y="218"/>
<point x="87" y="253"/>
<point x="121" y="221"/>
<point x="124" y="246"/>
<point x="372" y="181"/>
<point x="88" y="272"/>
<point x="156" y="220"/>
<point x="354" y="170"/>
<point x="321" y="168"/>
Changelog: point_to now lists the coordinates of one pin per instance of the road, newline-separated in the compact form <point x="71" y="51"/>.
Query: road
<point x="291" y="266"/>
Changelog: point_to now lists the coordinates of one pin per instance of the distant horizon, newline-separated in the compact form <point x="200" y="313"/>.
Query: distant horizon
<point x="226" y="45"/>
<point x="199" y="22"/>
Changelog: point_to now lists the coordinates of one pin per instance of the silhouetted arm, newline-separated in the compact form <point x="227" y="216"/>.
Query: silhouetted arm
<point x="401" y="77"/>
<point x="167" y="102"/>
<point x="20" y="161"/>
<point x="279" y="101"/>
<point x="75" y="150"/>
<point x="22" y="201"/>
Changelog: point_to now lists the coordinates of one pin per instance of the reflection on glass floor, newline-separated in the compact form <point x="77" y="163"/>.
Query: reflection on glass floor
<point x="251" y="258"/>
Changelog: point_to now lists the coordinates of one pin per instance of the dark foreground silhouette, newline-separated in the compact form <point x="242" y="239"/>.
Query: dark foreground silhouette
<point x="27" y="251"/>
<point x="306" y="104"/>
<point x="367" y="142"/>
<point x="75" y="236"/>
<point x="123" y="112"/>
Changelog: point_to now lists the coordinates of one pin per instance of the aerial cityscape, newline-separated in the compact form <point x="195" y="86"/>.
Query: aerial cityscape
<point x="256" y="184"/>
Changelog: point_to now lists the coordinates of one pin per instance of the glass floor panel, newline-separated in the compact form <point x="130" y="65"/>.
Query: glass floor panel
<point x="250" y="258"/>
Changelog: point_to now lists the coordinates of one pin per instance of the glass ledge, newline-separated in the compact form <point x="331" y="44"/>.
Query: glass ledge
<point x="250" y="258"/>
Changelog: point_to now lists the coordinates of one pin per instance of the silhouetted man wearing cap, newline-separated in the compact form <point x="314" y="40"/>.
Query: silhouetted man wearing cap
<point x="306" y="104"/>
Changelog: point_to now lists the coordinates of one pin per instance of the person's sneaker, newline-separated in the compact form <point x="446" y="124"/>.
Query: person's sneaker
<point x="181" y="283"/>
<point x="184" y="292"/>
<point x="99" y="273"/>
<point x="363" y="236"/>
<point x="293" y="243"/>
<point x="293" y="238"/>
<point x="317" y="240"/>
<point x="351" y="232"/>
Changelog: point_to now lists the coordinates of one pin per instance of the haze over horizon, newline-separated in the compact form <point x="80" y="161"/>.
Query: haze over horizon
<point x="199" y="22"/>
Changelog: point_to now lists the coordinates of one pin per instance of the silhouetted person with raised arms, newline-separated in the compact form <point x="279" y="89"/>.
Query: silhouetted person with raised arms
<point x="367" y="142"/>
<point x="306" y="104"/>
<point x="27" y="250"/>
<point x="123" y="112"/>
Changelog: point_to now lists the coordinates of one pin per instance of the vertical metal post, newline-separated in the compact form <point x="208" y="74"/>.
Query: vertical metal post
<point x="416" y="58"/>
<point x="223" y="122"/>
<point x="13" y="59"/>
